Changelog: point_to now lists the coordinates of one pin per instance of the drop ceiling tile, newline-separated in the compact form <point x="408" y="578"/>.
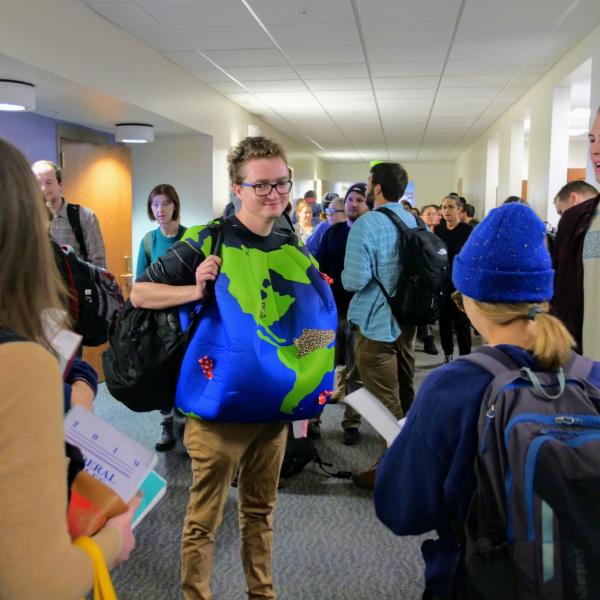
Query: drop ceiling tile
<point x="325" y="55"/>
<point x="347" y="71"/>
<point x="245" y="74"/>
<point x="210" y="75"/>
<point x="524" y="79"/>
<point x="224" y="13"/>
<point x="513" y="91"/>
<point x="276" y="86"/>
<point x="579" y="21"/>
<point x="553" y="49"/>
<point x="500" y="24"/>
<point x="316" y="34"/>
<point x="475" y="80"/>
<point x="398" y="83"/>
<point x="338" y="84"/>
<point x="345" y="96"/>
<point x="395" y="31"/>
<point x="514" y="50"/>
<point x="460" y="106"/>
<point x="224" y="38"/>
<point x="402" y="50"/>
<point x="451" y="121"/>
<point x="409" y="11"/>
<point x="292" y="12"/>
<point x="136" y="21"/>
<point x="470" y="92"/>
<point x="497" y="66"/>
<point x="422" y="94"/>
<point x="404" y="69"/>
<point x="249" y="57"/>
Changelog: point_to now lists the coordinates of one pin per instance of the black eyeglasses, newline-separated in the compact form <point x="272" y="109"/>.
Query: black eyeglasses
<point x="458" y="300"/>
<point x="332" y="211"/>
<point x="264" y="189"/>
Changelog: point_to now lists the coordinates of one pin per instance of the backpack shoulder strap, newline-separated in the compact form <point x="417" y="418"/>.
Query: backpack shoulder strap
<point x="390" y="214"/>
<point x="147" y="242"/>
<point x="579" y="367"/>
<point x="75" y="222"/>
<point x="400" y="224"/>
<point x="491" y="359"/>
<point x="216" y="228"/>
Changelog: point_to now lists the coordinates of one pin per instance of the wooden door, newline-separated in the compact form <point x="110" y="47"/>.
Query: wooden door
<point x="98" y="176"/>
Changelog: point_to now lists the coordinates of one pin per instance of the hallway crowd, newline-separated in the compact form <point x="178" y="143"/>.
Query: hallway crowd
<point x="299" y="312"/>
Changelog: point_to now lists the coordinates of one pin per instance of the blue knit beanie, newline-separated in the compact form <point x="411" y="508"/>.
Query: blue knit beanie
<point x="505" y="258"/>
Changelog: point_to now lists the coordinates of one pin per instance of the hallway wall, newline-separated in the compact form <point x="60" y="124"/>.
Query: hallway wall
<point x="471" y="165"/>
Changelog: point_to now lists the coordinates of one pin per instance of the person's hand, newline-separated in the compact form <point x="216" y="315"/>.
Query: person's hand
<point x="82" y="395"/>
<point x="122" y="523"/>
<point x="207" y="271"/>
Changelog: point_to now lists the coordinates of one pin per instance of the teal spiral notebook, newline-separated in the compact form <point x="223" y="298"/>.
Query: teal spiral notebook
<point x="153" y="488"/>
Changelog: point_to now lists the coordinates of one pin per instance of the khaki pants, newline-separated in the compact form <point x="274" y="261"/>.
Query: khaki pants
<point x="387" y="369"/>
<point x="216" y="450"/>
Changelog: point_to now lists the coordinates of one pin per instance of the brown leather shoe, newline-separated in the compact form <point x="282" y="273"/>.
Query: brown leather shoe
<point x="365" y="479"/>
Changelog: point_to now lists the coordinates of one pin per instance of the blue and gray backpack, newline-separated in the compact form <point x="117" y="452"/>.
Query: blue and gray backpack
<point x="533" y="526"/>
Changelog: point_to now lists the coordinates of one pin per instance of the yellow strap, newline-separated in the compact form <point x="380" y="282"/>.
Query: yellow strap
<point x="103" y="587"/>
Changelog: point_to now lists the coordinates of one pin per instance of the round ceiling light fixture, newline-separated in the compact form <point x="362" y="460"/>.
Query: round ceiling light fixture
<point x="134" y="133"/>
<point x="16" y="95"/>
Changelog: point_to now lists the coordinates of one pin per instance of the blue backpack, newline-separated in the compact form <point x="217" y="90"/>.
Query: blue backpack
<point x="533" y="526"/>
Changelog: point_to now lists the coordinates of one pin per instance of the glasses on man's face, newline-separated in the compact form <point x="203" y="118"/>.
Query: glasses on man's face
<point x="264" y="189"/>
<point x="457" y="297"/>
<point x="333" y="211"/>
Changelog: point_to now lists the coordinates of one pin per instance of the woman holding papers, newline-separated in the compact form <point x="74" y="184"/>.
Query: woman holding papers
<point x="37" y="557"/>
<point x="427" y="478"/>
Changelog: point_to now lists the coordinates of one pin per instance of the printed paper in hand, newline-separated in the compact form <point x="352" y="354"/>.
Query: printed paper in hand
<point x="110" y="455"/>
<point x="382" y="420"/>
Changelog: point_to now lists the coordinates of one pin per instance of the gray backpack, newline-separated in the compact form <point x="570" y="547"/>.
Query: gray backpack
<point x="533" y="525"/>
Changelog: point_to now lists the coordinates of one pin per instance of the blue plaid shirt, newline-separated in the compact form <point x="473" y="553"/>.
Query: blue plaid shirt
<point x="373" y="251"/>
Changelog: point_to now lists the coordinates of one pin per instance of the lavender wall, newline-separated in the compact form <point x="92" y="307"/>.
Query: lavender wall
<point x="33" y="134"/>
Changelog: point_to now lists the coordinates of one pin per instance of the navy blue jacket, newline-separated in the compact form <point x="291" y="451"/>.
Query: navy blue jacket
<point x="425" y="480"/>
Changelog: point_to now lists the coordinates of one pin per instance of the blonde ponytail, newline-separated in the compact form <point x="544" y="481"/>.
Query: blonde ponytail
<point x="551" y="343"/>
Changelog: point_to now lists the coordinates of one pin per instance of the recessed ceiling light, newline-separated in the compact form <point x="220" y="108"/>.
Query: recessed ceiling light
<point x="16" y="95"/>
<point x="134" y="133"/>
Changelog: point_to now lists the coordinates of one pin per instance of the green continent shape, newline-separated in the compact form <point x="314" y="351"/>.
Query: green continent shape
<point x="310" y="370"/>
<point x="247" y="268"/>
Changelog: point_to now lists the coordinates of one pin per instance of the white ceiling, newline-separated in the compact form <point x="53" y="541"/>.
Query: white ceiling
<point x="364" y="79"/>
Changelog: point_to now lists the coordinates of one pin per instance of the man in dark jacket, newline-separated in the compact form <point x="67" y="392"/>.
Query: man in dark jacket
<point x="576" y="260"/>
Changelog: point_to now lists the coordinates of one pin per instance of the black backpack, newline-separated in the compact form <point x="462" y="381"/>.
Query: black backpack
<point x="74" y="217"/>
<point x="424" y="276"/>
<point x="95" y="295"/>
<point x="142" y="364"/>
<point x="533" y="526"/>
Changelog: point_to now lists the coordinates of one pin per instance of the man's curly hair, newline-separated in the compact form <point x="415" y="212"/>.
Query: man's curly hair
<point x="251" y="148"/>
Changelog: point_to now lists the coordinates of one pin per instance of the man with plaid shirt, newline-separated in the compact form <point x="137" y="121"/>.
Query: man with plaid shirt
<point x="49" y="177"/>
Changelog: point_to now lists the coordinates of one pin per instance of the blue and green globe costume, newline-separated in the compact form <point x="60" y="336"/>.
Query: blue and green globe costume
<point x="264" y="347"/>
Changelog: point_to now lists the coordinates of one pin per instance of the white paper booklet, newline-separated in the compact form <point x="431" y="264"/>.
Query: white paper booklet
<point x="382" y="420"/>
<point x="65" y="342"/>
<point x="110" y="455"/>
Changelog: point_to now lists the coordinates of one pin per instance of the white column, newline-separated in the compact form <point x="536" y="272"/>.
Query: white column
<point x="491" y="173"/>
<point x="559" y="149"/>
<point x="517" y="154"/>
